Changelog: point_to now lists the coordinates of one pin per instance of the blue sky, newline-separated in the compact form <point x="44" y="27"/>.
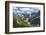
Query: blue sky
<point x="27" y="10"/>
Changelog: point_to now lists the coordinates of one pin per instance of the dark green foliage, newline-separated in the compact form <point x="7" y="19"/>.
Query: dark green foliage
<point x="35" y="22"/>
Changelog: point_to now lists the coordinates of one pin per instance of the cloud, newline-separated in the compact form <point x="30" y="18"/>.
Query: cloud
<point x="25" y="10"/>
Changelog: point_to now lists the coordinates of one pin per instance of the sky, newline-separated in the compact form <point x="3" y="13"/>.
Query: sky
<point x="27" y="10"/>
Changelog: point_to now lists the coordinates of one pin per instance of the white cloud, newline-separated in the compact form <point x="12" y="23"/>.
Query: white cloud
<point x="24" y="10"/>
